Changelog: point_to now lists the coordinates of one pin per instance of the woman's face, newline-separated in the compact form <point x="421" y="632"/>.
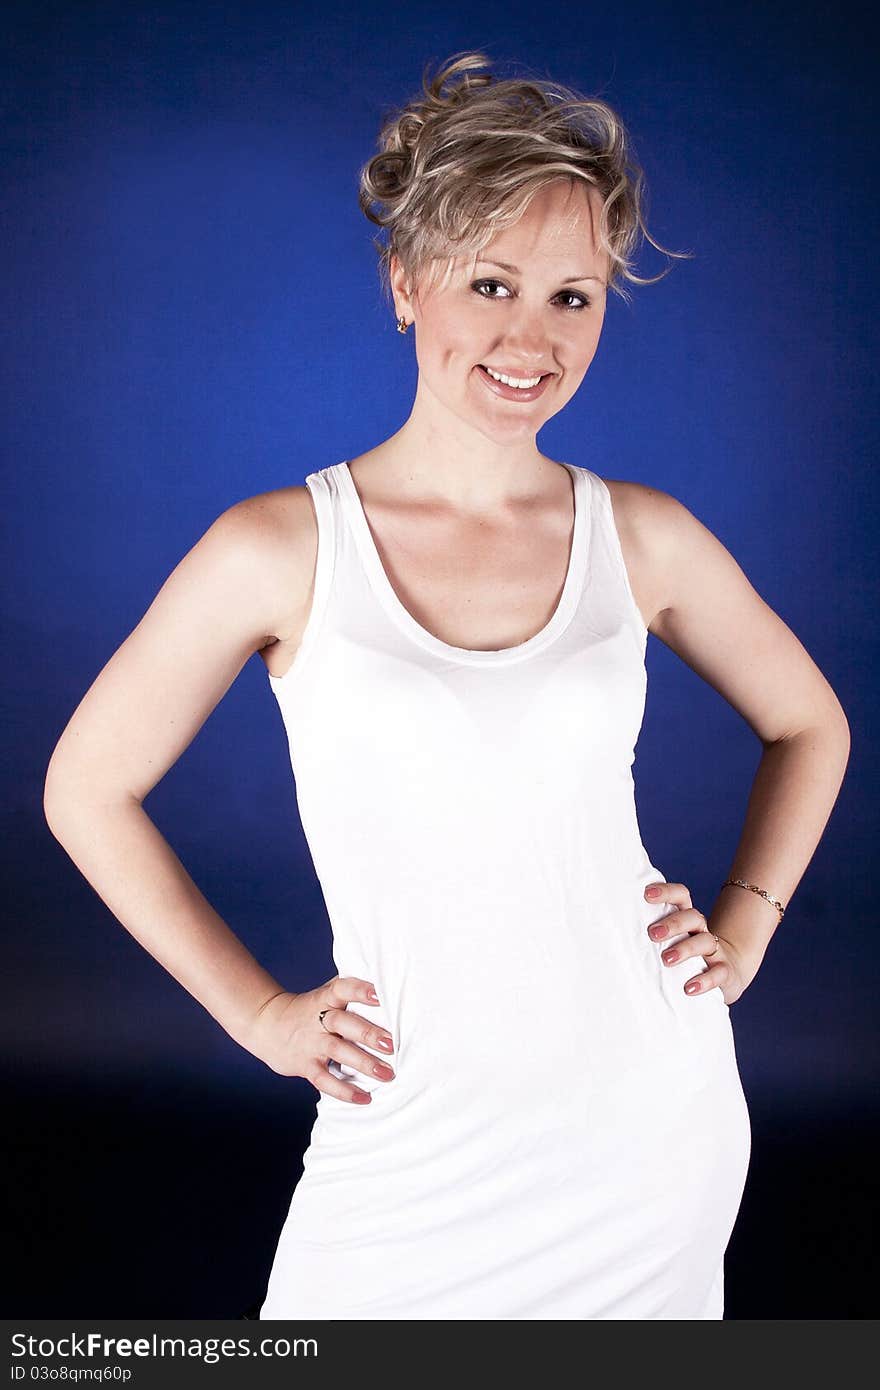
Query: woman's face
<point x="538" y="315"/>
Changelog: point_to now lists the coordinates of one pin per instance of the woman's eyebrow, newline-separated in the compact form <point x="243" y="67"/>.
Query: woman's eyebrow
<point x="514" y="270"/>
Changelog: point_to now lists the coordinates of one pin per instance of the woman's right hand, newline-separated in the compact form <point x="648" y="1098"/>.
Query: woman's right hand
<point x="289" y="1037"/>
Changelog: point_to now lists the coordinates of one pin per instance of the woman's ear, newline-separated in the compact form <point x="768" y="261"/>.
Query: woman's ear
<point x="400" y="289"/>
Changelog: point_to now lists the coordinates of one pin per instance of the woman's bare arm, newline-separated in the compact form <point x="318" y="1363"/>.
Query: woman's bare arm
<point x="247" y="581"/>
<point x="697" y="600"/>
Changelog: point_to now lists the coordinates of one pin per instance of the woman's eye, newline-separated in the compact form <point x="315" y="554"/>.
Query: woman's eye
<point x="579" y="301"/>
<point x="480" y="285"/>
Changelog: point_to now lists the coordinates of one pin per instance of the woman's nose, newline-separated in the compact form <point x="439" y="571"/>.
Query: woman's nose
<point x="526" y="337"/>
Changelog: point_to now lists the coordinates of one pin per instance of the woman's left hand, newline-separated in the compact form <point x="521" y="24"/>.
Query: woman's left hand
<point x="726" y="971"/>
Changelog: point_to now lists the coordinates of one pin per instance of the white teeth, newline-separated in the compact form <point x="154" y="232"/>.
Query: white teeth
<point x="522" y="383"/>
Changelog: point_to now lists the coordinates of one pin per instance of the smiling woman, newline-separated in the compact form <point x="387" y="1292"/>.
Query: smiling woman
<point x="531" y="179"/>
<point x="454" y="628"/>
<point x="527" y="339"/>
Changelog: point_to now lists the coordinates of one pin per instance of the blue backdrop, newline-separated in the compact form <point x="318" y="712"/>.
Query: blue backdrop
<point x="193" y="315"/>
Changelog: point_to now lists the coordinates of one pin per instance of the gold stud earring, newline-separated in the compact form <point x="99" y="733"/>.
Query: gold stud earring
<point x="402" y="324"/>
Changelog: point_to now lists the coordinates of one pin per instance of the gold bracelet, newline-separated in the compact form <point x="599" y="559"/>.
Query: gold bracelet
<point x="774" y="902"/>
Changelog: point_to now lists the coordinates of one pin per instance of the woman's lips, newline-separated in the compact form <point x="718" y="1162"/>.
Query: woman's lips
<point x="513" y="393"/>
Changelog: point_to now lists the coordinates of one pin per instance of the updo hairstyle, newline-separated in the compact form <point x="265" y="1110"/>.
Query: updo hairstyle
<point x="463" y="159"/>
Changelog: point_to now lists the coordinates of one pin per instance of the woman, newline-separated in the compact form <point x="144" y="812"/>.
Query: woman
<point x="530" y="1105"/>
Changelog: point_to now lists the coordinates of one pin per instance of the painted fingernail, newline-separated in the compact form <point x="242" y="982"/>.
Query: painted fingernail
<point x="657" y="933"/>
<point x="371" y="994"/>
<point x="652" y="892"/>
<point x="692" y="987"/>
<point x="386" y="1044"/>
<point x="382" y="1069"/>
<point x="670" y="957"/>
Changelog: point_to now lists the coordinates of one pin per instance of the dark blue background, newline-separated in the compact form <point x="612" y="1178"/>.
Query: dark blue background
<point x="192" y="315"/>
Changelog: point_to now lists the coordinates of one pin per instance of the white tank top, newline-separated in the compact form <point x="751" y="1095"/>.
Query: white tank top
<point x="472" y="822"/>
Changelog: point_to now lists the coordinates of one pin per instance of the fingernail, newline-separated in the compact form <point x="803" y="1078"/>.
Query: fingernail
<point x="670" y="957"/>
<point x="652" y="892"/>
<point x="657" y="933"/>
<point x="692" y="987"/>
<point x="371" y="994"/>
<point x="386" y="1044"/>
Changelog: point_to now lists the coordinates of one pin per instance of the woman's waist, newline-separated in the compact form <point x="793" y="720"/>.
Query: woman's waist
<point x="485" y="1047"/>
<point x="499" y="910"/>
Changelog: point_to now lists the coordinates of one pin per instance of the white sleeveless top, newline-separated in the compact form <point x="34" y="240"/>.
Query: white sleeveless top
<point x="566" y="1135"/>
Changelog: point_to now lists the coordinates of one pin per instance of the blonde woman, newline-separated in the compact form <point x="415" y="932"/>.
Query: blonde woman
<point x="530" y="1106"/>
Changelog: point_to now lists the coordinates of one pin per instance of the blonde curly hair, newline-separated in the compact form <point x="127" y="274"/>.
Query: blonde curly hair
<point x="462" y="160"/>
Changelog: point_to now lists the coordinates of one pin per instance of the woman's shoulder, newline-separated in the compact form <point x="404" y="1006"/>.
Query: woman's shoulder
<point x="646" y="516"/>
<point x="648" y="520"/>
<point x="274" y="516"/>
<point x="639" y="504"/>
<point x="275" y="535"/>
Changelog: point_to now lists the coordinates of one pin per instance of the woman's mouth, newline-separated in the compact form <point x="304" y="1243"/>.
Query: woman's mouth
<point x="514" y="393"/>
